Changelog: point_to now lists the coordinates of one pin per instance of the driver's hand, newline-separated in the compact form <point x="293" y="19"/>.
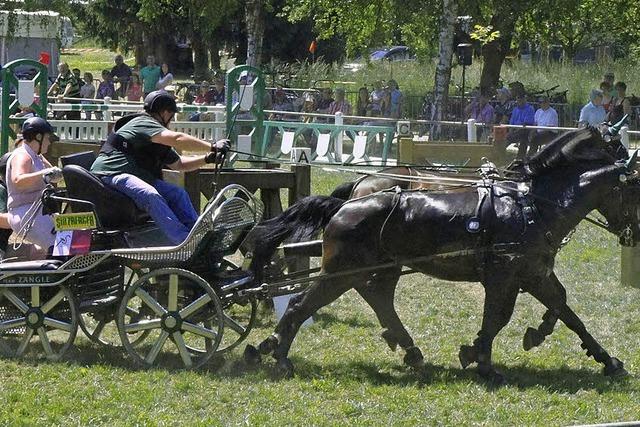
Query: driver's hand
<point x="52" y="175"/>
<point x="221" y="146"/>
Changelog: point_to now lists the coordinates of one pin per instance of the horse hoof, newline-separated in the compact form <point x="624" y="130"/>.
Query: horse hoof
<point x="390" y="339"/>
<point x="497" y="379"/>
<point x="532" y="338"/>
<point x="284" y="368"/>
<point x="267" y="346"/>
<point x="467" y="355"/>
<point x="494" y="378"/>
<point x="615" y="369"/>
<point x="252" y="355"/>
<point x="413" y="357"/>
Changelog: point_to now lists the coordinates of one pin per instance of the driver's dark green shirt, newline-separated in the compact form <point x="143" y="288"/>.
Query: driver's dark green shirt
<point x="138" y="133"/>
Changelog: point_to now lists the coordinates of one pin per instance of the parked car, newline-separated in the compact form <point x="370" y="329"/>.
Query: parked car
<point x="391" y="53"/>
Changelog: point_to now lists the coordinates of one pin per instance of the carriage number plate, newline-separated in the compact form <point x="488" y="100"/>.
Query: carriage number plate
<point x="75" y="221"/>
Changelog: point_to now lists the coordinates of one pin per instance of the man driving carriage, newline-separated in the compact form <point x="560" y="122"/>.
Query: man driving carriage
<point x="132" y="159"/>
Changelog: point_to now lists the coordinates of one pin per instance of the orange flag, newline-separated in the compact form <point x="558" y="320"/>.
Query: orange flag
<point x="313" y="46"/>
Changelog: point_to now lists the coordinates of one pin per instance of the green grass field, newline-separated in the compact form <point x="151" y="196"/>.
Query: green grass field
<point x="346" y="375"/>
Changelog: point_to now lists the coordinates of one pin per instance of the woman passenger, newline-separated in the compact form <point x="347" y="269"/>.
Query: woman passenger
<point x="28" y="172"/>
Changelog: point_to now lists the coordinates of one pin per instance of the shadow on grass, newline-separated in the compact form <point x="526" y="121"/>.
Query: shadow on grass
<point x="230" y="366"/>
<point x="563" y="379"/>
<point x="325" y="318"/>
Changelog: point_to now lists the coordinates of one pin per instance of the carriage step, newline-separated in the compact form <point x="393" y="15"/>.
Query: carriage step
<point x="44" y="264"/>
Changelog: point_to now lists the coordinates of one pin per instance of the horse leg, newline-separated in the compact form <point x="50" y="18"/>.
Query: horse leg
<point x="300" y="308"/>
<point x="553" y="295"/>
<point x="379" y="293"/>
<point x="499" y="303"/>
<point x="535" y="337"/>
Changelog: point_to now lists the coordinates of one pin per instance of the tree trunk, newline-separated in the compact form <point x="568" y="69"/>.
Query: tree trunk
<point x="147" y="47"/>
<point x="200" y="59"/>
<point x="138" y="46"/>
<point x="214" y="54"/>
<point x="495" y="52"/>
<point x="443" y="69"/>
<point x="254" y="14"/>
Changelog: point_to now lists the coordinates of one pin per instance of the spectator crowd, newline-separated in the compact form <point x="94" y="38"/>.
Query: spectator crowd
<point x="608" y="102"/>
<point x="122" y="82"/>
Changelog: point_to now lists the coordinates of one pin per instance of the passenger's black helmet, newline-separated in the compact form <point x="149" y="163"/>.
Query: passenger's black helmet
<point x="35" y="125"/>
<point x="159" y="100"/>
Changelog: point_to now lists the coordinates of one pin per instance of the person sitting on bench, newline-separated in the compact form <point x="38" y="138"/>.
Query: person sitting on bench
<point x="132" y="159"/>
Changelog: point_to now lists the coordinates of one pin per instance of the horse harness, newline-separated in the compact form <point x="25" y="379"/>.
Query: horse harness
<point x="481" y="224"/>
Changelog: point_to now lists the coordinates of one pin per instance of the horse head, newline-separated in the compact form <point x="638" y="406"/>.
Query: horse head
<point x="621" y="202"/>
<point x="586" y="145"/>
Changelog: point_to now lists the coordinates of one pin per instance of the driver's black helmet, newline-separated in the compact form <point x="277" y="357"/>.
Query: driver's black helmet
<point x="35" y="125"/>
<point x="159" y="100"/>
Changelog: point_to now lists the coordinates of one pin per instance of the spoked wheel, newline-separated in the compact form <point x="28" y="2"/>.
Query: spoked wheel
<point x="37" y="321"/>
<point x="181" y="315"/>
<point x="99" y="325"/>
<point x="238" y="317"/>
<point x="238" y="321"/>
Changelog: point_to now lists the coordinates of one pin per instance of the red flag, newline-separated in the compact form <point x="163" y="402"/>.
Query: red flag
<point x="45" y="58"/>
<point x="313" y="46"/>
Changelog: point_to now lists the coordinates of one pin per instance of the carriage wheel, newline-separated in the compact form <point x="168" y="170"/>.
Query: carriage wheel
<point x="238" y="317"/>
<point x="180" y="313"/>
<point x="238" y="320"/>
<point x="100" y="326"/>
<point x="37" y="321"/>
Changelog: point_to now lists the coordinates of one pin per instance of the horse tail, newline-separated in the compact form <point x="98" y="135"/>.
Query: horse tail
<point x="302" y="221"/>
<point x="344" y="190"/>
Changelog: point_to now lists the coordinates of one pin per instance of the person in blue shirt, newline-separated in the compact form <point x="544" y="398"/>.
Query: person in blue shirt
<point x="522" y="114"/>
<point x="593" y="113"/>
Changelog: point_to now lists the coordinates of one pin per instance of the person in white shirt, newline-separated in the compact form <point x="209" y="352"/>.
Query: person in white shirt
<point x="546" y="116"/>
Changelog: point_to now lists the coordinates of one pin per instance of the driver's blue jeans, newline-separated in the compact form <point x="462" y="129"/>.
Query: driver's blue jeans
<point x="167" y="204"/>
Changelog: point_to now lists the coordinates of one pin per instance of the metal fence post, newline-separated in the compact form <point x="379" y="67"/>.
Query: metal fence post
<point x="472" y="134"/>
<point x="339" y="121"/>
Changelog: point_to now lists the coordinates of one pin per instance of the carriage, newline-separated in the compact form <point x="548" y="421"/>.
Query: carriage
<point x="127" y="290"/>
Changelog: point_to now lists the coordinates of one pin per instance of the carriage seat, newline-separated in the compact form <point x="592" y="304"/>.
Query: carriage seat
<point x="113" y="208"/>
<point x="43" y="264"/>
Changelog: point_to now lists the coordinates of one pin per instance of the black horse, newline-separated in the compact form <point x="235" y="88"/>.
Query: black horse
<point x="430" y="178"/>
<point x="504" y="235"/>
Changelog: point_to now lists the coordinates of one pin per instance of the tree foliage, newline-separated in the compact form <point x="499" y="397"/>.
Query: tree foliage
<point x="366" y="24"/>
<point x="575" y="24"/>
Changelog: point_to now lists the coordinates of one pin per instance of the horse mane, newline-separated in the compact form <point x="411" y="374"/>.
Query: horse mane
<point x="584" y="144"/>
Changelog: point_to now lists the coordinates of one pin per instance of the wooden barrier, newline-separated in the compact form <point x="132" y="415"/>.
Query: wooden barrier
<point x="413" y="152"/>
<point x="269" y="180"/>
<point x="630" y="266"/>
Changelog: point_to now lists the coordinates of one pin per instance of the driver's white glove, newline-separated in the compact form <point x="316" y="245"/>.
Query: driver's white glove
<point x="52" y="175"/>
